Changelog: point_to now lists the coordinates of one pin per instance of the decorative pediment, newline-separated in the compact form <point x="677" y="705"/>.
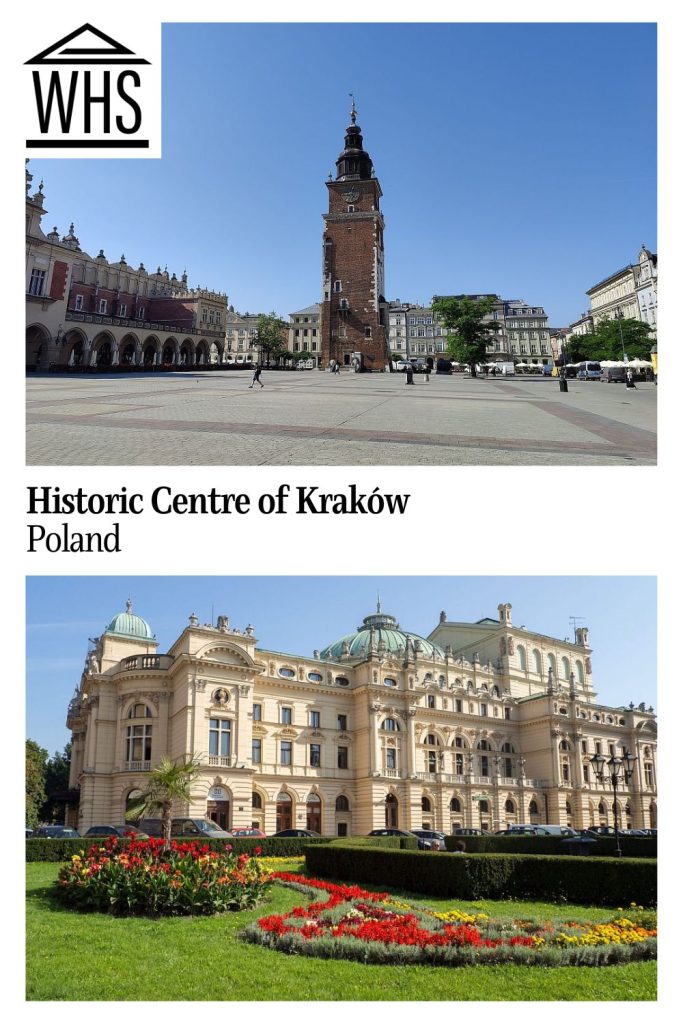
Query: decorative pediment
<point x="226" y="653"/>
<point x="259" y="730"/>
<point x="288" y="733"/>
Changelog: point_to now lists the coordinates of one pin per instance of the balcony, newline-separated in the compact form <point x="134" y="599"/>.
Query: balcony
<point x="137" y="766"/>
<point x="145" y="662"/>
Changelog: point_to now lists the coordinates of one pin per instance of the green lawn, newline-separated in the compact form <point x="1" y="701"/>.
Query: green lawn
<point x="73" y="956"/>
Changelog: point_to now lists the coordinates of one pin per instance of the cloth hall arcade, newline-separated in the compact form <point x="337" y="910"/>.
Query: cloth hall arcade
<point x="480" y="724"/>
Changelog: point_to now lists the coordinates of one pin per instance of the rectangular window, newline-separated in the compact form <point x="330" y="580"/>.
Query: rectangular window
<point x="37" y="282"/>
<point x="565" y="773"/>
<point x="314" y="719"/>
<point x="256" y="751"/>
<point x="507" y="713"/>
<point x="368" y="332"/>
<point x="285" y="716"/>
<point x="285" y="752"/>
<point x="256" y="712"/>
<point x="391" y="759"/>
<point x="586" y="777"/>
<point x="103" y="306"/>
<point x="458" y="704"/>
<point x="219" y="737"/>
<point x="459" y="763"/>
<point x="341" y="723"/>
<point x="342" y="828"/>
<point x="79" y="302"/>
<point x="139" y="743"/>
<point x="337" y="286"/>
<point x="484" y="765"/>
<point x="314" y="755"/>
<point x="123" y="309"/>
<point x="584" y="747"/>
<point x="483" y="710"/>
<point x="649" y="774"/>
<point x="342" y="757"/>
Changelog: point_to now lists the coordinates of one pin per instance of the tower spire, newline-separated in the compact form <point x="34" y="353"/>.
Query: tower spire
<point x="353" y="108"/>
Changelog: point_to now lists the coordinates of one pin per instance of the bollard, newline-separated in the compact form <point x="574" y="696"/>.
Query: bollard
<point x="563" y="384"/>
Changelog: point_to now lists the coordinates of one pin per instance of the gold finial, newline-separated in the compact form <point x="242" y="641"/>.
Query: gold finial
<point x="353" y="108"/>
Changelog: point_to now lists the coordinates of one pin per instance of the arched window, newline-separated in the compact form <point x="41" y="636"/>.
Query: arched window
<point x="533" y="807"/>
<point x="538" y="662"/>
<point x="495" y="692"/>
<point x="507" y="765"/>
<point x="456" y="806"/>
<point x="256" y="801"/>
<point x="283" y="812"/>
<point x="578" y="670"/>
<point x="342" y="804"/>
<point x="458" y="742"/>
<point x="139" y="711"/>
<point x="565" y="668"/>
<point x="431" y="740"/>
<point x="601" y="808"/>
<point x="426" y="804"/>
<point x="484" y="806"/>
<point x="565" y="745"/>
<point x="133" y="798"/>
<point x="390" y="725"/>
<point x="509" y="807"/>
<point x="521" y="657"/>
<point x="552" y="663"/>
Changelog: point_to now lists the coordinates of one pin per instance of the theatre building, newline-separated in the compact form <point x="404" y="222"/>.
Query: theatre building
<point x="478" y="725"/>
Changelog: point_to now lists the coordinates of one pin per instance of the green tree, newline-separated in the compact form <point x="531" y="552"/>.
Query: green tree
<point x="168" y="782"/>
<point x="36" y="762"/>
<point x="56" y="783"/>
<point x="605" y="342"/>
<point x="468" y="335"/>
<point x="271" y="335"/>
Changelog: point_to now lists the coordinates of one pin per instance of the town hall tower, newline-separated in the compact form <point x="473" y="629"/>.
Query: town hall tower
<point x="353" y="261"/>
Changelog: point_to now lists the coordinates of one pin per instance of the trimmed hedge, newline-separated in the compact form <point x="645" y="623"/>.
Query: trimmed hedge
<point x="631" y="846"/>
<point x="598" y="881"/>
<point x="390" y="842"/>
<point x="58" y="850"/>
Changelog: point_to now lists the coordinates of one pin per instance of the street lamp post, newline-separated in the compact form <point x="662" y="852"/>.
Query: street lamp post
<point x="619" y="316"/>
<point x="618" y="767"/>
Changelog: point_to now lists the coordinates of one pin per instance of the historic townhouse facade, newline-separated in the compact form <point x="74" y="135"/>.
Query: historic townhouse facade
<point x="303" y="333"/>
<point x="480" y="724"/>
<point x="85" y="311"/>
<point x="631" y="292"/>
<point x="518" y="332"/>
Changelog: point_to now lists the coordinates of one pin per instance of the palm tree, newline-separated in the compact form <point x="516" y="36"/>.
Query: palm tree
<point x="168" y="782"/>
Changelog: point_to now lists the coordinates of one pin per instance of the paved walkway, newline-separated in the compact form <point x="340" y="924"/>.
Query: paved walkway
<point x="314" y="418"/>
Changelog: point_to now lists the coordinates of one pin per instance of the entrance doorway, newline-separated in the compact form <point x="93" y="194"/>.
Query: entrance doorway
<point x="283" y="812"/>
<point x="218" y="807"/>
<point x="391" y="811"/>
<point x="314" y="813"/>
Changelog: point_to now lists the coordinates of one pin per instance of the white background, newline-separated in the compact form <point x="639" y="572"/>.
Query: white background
<point x="628" y="504"/>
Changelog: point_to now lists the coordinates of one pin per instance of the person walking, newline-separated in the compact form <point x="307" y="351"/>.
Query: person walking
<point x="629" y="379"/>
<point x="256" y="379"/>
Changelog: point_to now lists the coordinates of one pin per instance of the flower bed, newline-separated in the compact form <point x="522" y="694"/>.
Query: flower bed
<point x="141" y="877"/>
<point x="353" y="924"/>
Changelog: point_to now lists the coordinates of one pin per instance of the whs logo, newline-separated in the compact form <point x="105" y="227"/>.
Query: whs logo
<point x="90" y="93"/>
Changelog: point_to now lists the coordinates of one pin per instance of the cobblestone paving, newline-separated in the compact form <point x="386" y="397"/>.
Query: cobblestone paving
<point x="312" y="418"/>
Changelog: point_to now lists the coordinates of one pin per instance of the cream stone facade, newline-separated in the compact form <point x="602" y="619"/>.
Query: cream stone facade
<point x="631" y="292"/>
<point x="478" y="725"/>
<point x="84" y="311"/>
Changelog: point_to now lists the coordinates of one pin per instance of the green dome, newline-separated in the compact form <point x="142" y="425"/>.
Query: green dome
<point x="379" y="629"/>
<point x="127" y="624"/>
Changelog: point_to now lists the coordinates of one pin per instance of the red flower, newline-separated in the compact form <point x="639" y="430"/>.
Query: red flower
<point x="258" y="850"/>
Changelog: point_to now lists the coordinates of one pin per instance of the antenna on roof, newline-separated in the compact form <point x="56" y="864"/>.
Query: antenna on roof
<point x="574" y="619"/>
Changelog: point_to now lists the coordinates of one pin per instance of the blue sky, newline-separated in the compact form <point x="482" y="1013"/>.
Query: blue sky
<point x="298" y="614"/>
<point x="514" y="158"/>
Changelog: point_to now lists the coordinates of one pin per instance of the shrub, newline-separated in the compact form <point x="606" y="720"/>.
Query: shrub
<point x="141" y="877"/>
<point x="599" y="881"/>
<point x="58" y="850"/>
<point x="605" y="846"/>
<point x="390" y="842"/>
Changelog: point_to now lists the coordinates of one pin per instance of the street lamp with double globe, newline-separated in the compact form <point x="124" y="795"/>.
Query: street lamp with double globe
<point x="619" y="767"/>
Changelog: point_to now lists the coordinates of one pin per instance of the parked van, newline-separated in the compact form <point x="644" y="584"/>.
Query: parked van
<point x="588" y="371"/>
<point x="613" y="374"/>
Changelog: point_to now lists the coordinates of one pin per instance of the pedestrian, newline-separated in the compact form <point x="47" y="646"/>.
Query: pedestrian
<point x="629" y="379"/>
<point x="459" y="847"/>
<point x="409" y="375"/>
<point x="434" y="845"/>
<point x="256" y="379"/>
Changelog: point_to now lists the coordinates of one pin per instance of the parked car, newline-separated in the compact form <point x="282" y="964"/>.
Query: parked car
<point x="470" y="832"/>
<point x="391" y="832"/>
<point x="114" y="830"/>
<point x="29" y="833"/>
<point x="296" y="833"/>
<point x="194" y="828"/>
<point x="541" y="830"/>
<point x="55" y="832"/>
<point x="608" y="830"/>
<point x="248" y="833"/>
<point x="428" y="836"/>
